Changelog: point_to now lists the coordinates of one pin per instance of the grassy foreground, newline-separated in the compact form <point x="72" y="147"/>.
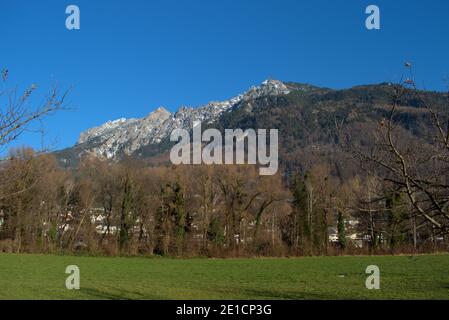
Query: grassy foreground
<point x="402" y="277"/>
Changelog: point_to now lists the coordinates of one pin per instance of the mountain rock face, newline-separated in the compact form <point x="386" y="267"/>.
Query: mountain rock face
<point x="117" y="138"/>
<point x="312" y="122"/>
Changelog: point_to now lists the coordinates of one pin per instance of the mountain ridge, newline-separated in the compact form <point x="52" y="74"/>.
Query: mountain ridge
<point x="305" y="115"/>
<point x="124" y="136"/>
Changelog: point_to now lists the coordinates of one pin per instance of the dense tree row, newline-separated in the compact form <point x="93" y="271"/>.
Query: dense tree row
<point x="108" y="208"/>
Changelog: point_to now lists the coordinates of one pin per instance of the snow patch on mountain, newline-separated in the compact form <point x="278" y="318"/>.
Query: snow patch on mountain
<point x="124" y="136"/>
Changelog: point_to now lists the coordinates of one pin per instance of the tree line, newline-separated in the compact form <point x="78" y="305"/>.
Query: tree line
<point x="124" y="209"/>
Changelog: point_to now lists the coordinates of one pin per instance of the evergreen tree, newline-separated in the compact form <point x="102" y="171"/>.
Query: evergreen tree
<point x="126" y="213"/>
<point x="341" y="228"/>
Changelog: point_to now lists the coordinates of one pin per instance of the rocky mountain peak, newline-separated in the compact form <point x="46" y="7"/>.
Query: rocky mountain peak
<point x="125" y="136"/>
<point x="161" y="111"/>
<point x="267" y="88"/>
<point x="160" y="114"/>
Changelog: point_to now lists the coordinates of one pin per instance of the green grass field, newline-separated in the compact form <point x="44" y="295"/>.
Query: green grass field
<point x="402" y="277"/>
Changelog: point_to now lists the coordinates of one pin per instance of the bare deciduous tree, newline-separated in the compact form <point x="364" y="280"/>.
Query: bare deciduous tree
<point x="417" y="167"/>
<point x="16" y="112"/>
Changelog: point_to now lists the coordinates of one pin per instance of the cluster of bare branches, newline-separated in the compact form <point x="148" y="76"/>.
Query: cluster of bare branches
<point x="413" y="166"/>
<point x="17" y="112"/>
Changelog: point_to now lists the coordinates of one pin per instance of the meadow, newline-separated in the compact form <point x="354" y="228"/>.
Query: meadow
<point x="402" y="277"/>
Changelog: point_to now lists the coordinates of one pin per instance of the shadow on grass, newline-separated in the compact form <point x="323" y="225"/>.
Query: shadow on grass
<point x="276" y="295"/>
<point x="95" y="293"/>
<point x="123" y="295"/>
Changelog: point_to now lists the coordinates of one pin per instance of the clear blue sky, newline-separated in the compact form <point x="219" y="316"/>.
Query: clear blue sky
<point x="132" y="56"/>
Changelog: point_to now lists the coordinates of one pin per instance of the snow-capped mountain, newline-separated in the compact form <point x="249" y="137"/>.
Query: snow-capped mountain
<point x="124" y="136"/>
